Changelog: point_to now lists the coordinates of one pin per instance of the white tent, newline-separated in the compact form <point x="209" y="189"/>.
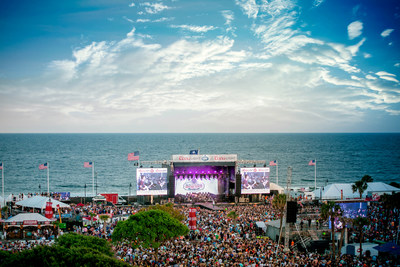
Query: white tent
<point x="334" y="191"/>
<point x="39" y="202"/>
<point x="20" y="218"/>
<point x="276" y="187"/>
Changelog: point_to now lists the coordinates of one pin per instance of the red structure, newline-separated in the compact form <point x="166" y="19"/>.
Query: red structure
<point x="49" y="210"/>
<point x="192" y="219"/>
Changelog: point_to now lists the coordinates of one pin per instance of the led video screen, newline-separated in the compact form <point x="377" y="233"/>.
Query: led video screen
<point x="255" y="180"/>
<point x="151" y="181"/>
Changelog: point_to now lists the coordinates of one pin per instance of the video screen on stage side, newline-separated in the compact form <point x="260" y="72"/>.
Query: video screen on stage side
<point x="151" y="181"/>
<point x="184" y="186"/>
<point x="351" y="210"/>
<point x="255" y="180"/>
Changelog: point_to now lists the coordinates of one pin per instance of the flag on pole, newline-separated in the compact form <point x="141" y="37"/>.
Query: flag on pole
<point x="88" y="164"/>
<point x="43" y="166"/>
<point x="194" y="152"/>
<point x="133" y="156"/>
<point x="1" y="165"/>
<point x="272" y="163"/>
<point x="312" y="162"/>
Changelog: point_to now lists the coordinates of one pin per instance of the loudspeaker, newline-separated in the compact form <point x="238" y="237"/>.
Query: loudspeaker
<point x="171" y="186"/>
<point x="291" y="214"/>
<point x="238" y="185"/>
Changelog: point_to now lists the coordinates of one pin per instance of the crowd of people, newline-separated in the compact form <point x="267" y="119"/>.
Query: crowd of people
<point x="223" y="241"/>
<point x="201" y="197"/>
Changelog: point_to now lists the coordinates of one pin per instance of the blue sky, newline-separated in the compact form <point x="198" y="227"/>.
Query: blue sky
<point x="200" y="66"/>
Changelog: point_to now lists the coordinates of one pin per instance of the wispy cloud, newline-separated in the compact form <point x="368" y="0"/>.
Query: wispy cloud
<point x="317" y="3"/>
<point x="354" y="29"/>
<point x="386" y="32"/>
<point x="387" y="76"/>
<point x="249" y="7"/>
<point x="154" y="8"/>
<point x="193" y="28"/>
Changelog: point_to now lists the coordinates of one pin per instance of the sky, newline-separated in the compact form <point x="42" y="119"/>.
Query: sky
<point x="247" y="66"/>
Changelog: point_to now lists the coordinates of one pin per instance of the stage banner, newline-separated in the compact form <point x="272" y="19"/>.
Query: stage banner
<point x="184" y="186"/>
<point x="255" y="180"/>
<point x="204" y="158"/>
<point x="151" y="181"/>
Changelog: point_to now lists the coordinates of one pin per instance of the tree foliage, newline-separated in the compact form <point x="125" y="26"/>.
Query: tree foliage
<point x="330" y="211"/>
<point x="279" y="204"/>
<point x="69" y="250"/>
<point x="362" y="185"/>
<point x="359" y="224"/>
<point x="169" y="208"/>
<point x="149" y="229"/>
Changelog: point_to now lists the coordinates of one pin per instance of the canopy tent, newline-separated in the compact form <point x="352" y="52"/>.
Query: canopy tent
<point x="334" y="191"/>
<point x="389" y="247"/>
<point x="275" y="187"/>
<point x="27" y="217"/>
<point x="39" y="202"/>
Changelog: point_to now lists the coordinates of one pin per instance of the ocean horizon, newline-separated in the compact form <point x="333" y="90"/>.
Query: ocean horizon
<point x="340" y="157"/>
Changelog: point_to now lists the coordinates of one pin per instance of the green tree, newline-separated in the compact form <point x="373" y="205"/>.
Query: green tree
<point x="279" y="204"/>
<point x="359" y="224"/>
<point x="104" y="218"/>
<point x="68" y="250"/>
<point x="150" y="228"/>
<point x="169" y="208"/>
<point x="233" y="215"/>
<point x="330" y="211"/>
<point x="362" y="184"/>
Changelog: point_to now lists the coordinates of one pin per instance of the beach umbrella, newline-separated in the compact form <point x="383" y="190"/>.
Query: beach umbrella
<point x="389" y="247"/>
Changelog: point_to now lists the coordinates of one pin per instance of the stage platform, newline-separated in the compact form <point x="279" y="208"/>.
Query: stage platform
<point x="209" y="206"/>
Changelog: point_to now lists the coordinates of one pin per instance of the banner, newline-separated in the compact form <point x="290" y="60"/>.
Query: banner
<point x="204" y="158"/>
<point x="255" y="180"/>
<point x="151" y="181"/>
<point x="192" y="219"/>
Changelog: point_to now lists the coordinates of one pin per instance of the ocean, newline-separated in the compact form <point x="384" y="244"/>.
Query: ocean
<point x="341" y="157"/>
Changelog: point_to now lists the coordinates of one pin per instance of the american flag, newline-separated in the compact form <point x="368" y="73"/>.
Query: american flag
<point x="1" y="165"/>
<point x="88" y="164"/>
<point x="133" y="156"/>
<point x="312" y="162"/>
<point x="273" y="163"/>
<point x="43" y="166"/>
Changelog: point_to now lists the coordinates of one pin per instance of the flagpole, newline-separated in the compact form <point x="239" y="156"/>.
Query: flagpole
<point x="48" y="179"/>
<point x="315" y="174"/>
<point x="93" y="176"/>
<point x="276" y="172"/>
<point x="2" y="183"/>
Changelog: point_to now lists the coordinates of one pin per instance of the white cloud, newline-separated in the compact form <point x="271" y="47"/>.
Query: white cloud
<point x="131" y="33"/>
<point x="249" y="7"/>
<point x="354" y="29"/>
<point x="131" y="4"/>
<point x="317" y="2"/>
<point x="397" y="64"/>
<point x="366" y="55"/>
<point x="128" y="19"/>
<point x="194" y="28"/>
<point x="386" y="32"/>
<point x="154" y="8"/>
<point x="387" y="76"/>
<point x="370" y="77"/>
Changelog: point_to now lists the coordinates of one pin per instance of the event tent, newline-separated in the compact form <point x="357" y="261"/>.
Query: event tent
<point x="24" y="217"/>
<point x="39" y="202"/>
<point x="334" y="191"/>
<point x="275" y="187"/>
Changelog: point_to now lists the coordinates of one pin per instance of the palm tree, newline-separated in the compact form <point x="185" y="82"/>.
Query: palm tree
<point x="104" y="218"/>
<point x="233" y="215"/>
<point x="279" y="204"/>
<point x="330" y="211"/>
<point x="359" y="223"/>
<point x="362" y="185"/>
